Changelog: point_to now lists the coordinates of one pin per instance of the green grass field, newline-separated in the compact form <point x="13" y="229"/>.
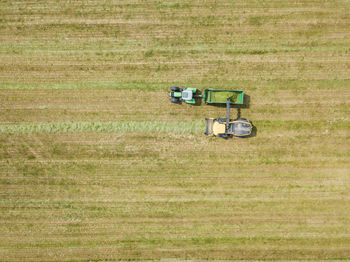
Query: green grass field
<point x="97" y="164"/>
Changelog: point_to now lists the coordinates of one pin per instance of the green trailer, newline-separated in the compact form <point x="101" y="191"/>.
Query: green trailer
<point x="220" y="96"/>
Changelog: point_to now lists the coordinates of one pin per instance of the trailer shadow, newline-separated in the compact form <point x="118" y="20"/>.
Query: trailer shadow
<point x="198" y="98"/>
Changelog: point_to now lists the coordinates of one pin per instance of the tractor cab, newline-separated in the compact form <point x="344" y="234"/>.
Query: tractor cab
<point x="187" y="95"/>
<point x="241" y="127"/>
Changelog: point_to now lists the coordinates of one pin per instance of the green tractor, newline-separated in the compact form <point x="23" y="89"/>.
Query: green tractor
<point x="187" y="95"/>
<point x="226" y="127"/>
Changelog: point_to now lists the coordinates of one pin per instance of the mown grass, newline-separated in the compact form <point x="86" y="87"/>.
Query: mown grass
<point x="120" y="127"/>
<point x="192" y="127"/>
<point x="97" y="164"/>
<point x="145" y="42"/>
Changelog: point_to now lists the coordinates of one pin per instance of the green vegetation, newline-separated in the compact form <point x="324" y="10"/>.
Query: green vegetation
<point x="120" y="127"/>
<point x="222" y="96"/>
<point x="97" y="164"/>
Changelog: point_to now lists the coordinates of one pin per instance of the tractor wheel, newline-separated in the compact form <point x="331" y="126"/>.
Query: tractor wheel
<point x="175" y="100"/>
<point x="175" y="89"/>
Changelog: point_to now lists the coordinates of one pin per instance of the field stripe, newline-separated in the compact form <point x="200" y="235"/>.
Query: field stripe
<point x="120" y="127"/>
<point x="176" y="127"/>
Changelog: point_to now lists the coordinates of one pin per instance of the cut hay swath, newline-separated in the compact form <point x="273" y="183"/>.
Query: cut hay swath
<point x="120" y="127"/>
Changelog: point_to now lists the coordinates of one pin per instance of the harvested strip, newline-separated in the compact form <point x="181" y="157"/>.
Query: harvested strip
<point x="176" y="127"/>
<point x="121" y="127"/>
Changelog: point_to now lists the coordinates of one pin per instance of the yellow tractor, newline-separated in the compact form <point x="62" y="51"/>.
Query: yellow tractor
<point x="226" y="127"/>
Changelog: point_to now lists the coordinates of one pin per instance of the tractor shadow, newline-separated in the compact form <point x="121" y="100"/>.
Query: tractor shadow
<point x="254" y="131"/>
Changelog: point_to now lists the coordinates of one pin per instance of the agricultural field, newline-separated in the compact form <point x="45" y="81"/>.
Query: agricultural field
<point x="97" y="164"/>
